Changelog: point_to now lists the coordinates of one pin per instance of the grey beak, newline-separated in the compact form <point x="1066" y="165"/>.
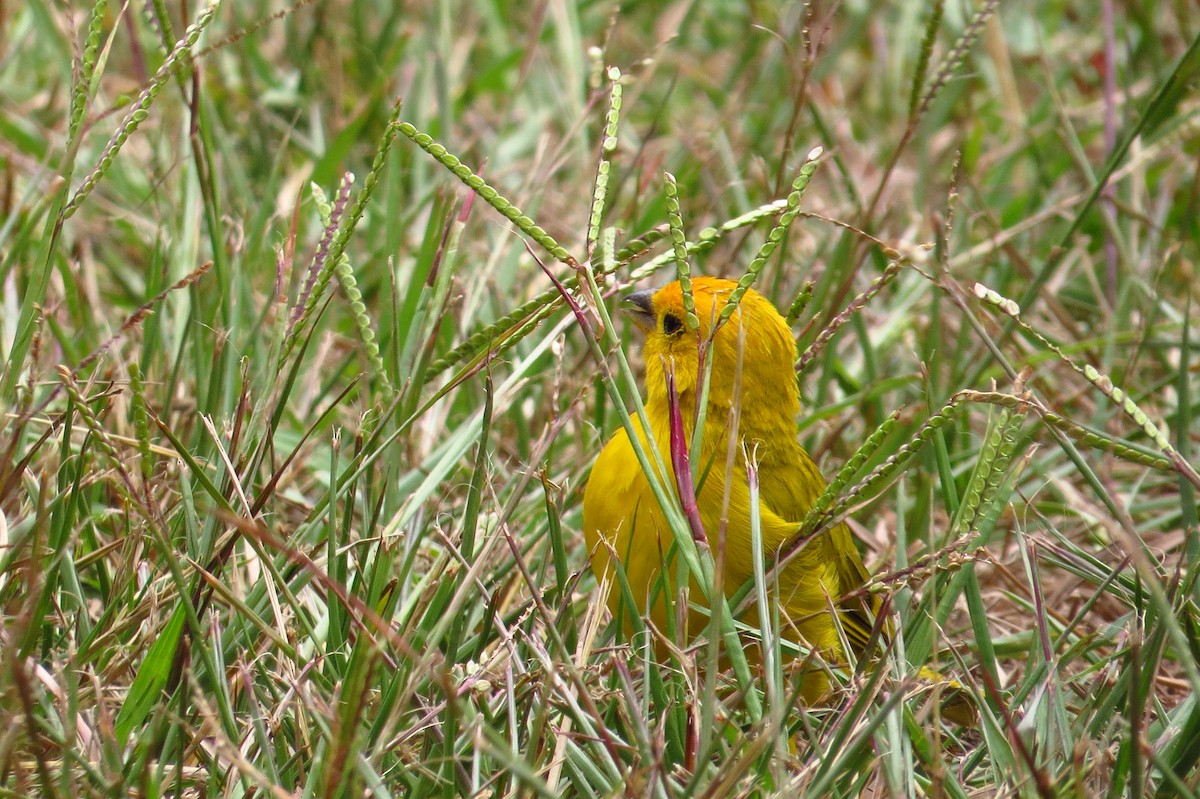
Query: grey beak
<point x="640" y="306"/>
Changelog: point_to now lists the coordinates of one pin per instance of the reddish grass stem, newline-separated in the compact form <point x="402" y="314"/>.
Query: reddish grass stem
<point x="681" y="462"/>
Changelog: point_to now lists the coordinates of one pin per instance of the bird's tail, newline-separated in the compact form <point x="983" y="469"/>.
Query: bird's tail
<point x="868" y="629"/>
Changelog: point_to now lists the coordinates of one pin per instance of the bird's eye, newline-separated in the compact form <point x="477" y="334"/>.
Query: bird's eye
<point x="671" y="324"/>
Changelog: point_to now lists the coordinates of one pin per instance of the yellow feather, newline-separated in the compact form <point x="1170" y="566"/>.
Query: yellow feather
<point x="621" y="515"/>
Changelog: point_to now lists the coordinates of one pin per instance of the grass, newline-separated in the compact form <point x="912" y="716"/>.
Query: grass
<point x="296" y="423"/>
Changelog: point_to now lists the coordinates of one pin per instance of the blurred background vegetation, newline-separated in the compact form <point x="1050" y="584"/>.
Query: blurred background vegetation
<point x="289" y="497"/>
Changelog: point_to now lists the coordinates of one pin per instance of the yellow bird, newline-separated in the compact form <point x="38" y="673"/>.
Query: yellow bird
<point x="753" y="357"/>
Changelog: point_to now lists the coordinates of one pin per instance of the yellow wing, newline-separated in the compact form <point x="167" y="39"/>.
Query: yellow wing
<point x="789" y="484"/>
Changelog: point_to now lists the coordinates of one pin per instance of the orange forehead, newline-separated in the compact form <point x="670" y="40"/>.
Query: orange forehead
<point x="707" y="291"/>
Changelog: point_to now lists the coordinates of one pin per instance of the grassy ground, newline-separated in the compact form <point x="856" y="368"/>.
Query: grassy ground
<point x="293" y="457"/>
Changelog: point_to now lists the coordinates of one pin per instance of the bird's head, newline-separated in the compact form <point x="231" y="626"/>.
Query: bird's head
<point x="756" y="335"/>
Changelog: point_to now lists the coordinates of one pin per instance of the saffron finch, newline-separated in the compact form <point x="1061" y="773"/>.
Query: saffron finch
<point x="622" y="516"/>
